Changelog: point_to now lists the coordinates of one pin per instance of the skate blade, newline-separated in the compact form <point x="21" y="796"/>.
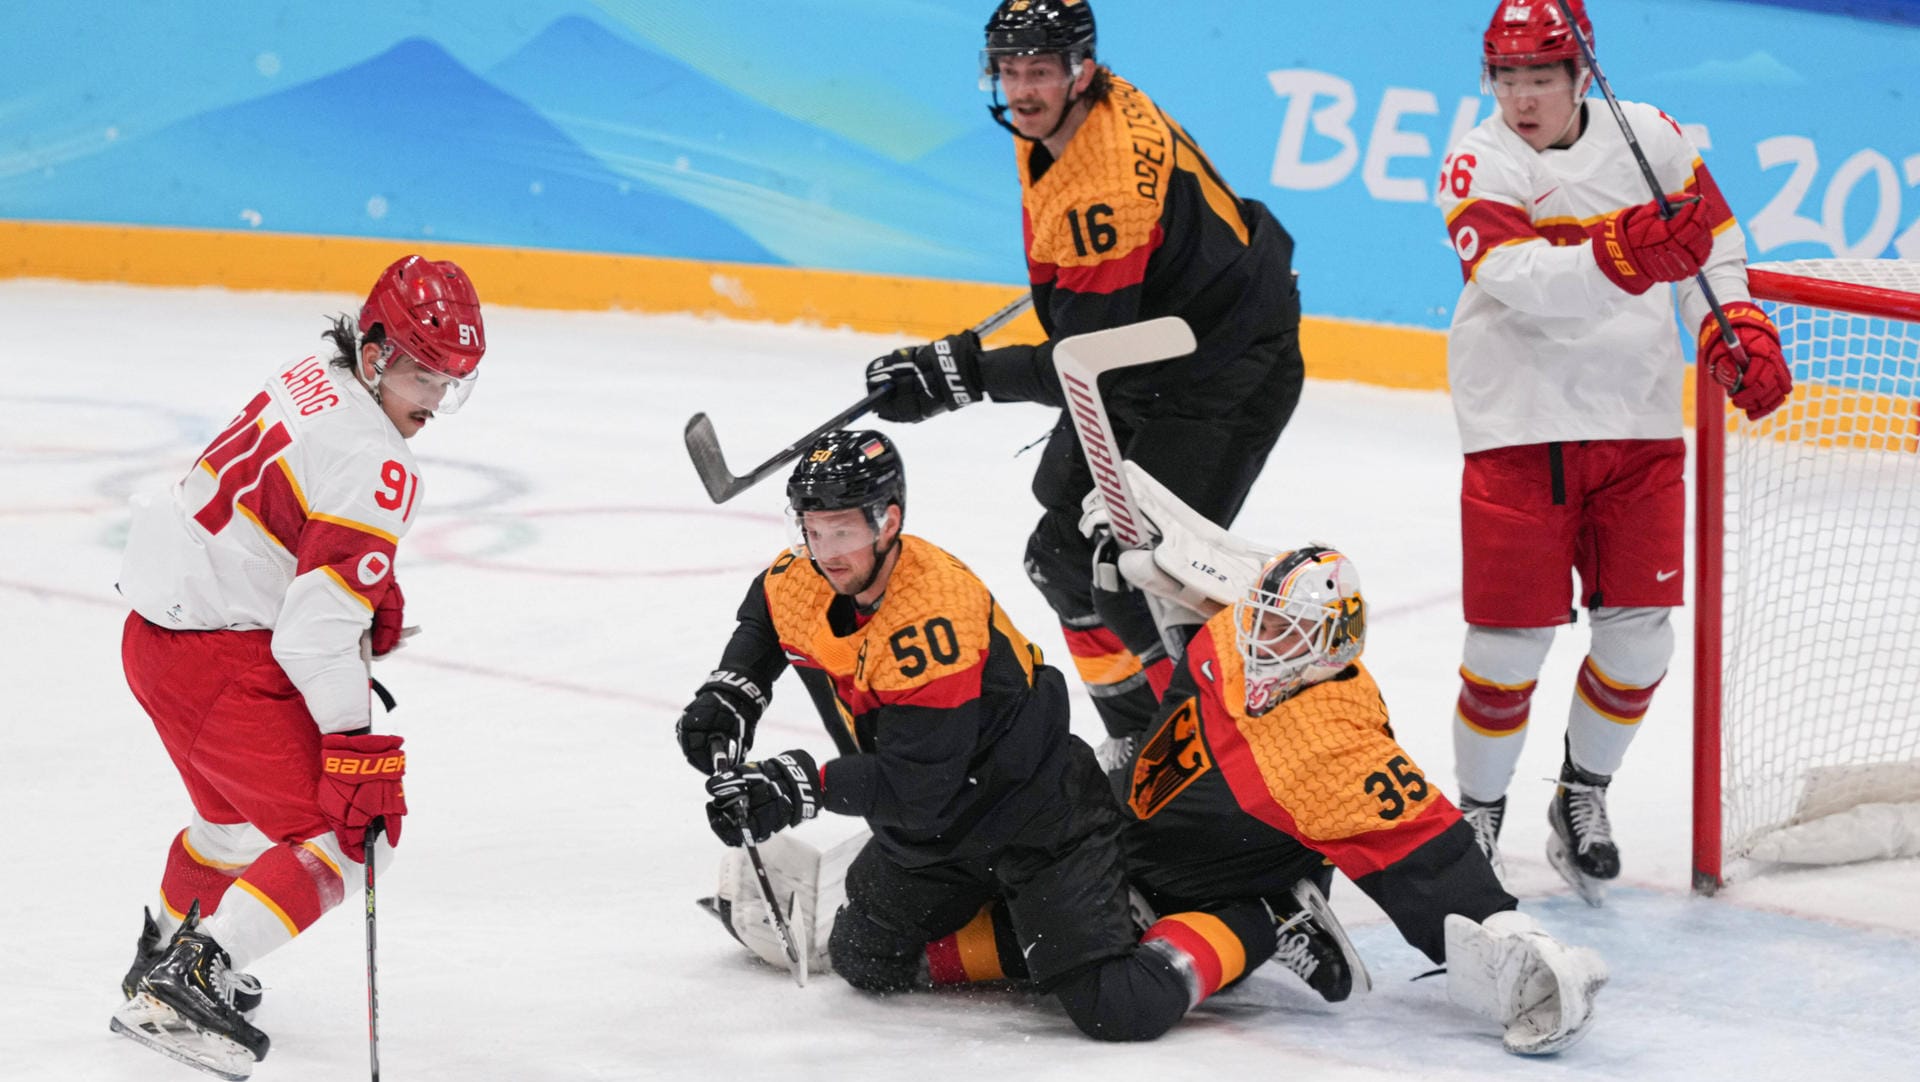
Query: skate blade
<point x="154" y="1024"/>
<point x="1591" y="891"/>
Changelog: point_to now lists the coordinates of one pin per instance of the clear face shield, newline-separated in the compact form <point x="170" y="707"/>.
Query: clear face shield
<point x="1008" y="72"/>
<point x="829" y="535"/>
<point x="1552" y="81"/>
<point x="421" y="387"/>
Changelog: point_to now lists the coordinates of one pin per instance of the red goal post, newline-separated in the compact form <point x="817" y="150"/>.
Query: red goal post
<point x="1807" y="584"/>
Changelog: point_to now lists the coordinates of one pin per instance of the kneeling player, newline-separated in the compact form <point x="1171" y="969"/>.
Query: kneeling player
<point x="954" y="748"/>
<point x="1272" y="755"/>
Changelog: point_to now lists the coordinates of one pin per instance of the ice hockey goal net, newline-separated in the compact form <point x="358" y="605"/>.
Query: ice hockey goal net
<point x="1807" y="600"/>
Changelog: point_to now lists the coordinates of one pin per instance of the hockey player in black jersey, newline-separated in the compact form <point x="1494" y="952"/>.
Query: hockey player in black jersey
<point x="1125" y="219"/>
<point x="954" y="748"/>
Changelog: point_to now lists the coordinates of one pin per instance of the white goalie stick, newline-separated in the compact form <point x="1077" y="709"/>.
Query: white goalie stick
<point x="1080" y="361"/>
<point x="722" y="484"/>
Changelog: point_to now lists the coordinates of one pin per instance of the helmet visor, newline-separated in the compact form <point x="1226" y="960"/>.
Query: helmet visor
<point x="1027" y="69"/>
<point x="1542" y="81"/>
<point x="420" y="386"/>
<point x="827" y="535"/>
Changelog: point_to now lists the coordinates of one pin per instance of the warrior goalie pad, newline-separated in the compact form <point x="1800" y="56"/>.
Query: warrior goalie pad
<point x="1192" y="563"/>
<point x="1510" y="970"/>
<point x="810" y="885"/>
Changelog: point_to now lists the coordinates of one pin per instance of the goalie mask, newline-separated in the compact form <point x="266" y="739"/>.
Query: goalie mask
<point x="1302" y="621"/>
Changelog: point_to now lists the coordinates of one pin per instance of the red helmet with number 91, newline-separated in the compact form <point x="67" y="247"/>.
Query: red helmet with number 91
<point x="1529" y="32"/>
<point x="429" y="311"/>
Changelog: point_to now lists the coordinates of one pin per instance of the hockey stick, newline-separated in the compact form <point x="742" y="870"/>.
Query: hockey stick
<point x="374" y="831"/>
<point x="796" y="963"/>
<point x="1080" y="361"/>
<point x="1727" y="334"/>
<point x="703" y="445"/>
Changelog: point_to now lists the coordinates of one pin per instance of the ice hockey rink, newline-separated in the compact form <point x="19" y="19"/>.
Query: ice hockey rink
<point x="575" y="585"/>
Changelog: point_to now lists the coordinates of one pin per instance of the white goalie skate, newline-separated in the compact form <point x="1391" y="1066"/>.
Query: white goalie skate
<point x="1508" y="969"/>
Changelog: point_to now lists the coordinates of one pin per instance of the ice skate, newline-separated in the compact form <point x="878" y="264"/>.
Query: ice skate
<point x="1581" y="846"/>
<point x="147" y="952"/>
<point x="183" y="1008"/>
<point x="1485" y="819"/>
<point x="1315" y="947"/>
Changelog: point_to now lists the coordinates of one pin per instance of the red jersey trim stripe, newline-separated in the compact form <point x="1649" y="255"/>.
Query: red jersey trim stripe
<point x="347" y="523"/>
<point x="351" y="592"/>
<point x="1112" y="275"/>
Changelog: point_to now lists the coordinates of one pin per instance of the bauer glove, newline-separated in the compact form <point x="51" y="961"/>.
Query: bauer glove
<point x="1763" y="383"/>
<point x="1636" y="248"/>
<point x="720" y="719"/>
<point x="925" y="381"/>
<point x="360" y="782"/>
<point x="764" y="797"/>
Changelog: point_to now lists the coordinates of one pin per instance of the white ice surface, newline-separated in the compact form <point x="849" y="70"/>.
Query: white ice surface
<point x="575" y="585"/>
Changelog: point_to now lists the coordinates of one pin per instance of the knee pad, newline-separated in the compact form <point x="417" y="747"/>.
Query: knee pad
<point x="1136" y="998"/>
<point x="1506" y="655"/>
<point x="234" y="845"/>
<point x="872" y="956"/>
<point x="1632" y="646"/>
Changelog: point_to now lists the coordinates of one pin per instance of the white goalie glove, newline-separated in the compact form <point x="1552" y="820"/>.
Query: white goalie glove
<point x="1193" y="567"/>
<point x="1510" y="970"/>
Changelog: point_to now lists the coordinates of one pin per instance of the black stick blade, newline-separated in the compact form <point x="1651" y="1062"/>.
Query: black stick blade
<point x="703" y="447"/>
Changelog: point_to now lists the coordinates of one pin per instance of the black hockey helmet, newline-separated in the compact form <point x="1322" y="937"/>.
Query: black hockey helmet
<point x="849" y="468"/>
<point x="1034" y="27"/>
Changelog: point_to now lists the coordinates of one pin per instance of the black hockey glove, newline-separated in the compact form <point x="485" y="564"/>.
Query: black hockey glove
<point x="926" y="381"/>
<point x="720" y="718"/>
<point x="772" y="794"/>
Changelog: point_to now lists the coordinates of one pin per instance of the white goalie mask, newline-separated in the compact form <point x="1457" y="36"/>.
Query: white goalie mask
<point x="1302" y="621"/>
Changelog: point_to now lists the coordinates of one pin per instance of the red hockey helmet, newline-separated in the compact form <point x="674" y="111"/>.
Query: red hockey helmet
<point x="1529" y="32"/>
<point x="430" y="312"/>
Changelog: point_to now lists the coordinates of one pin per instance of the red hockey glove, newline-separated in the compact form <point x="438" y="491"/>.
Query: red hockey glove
<point x="359" y="782"/>
<point x="1764" y="383"/>
<point x="1637" y="248"/>
<point x="388" y="633"/>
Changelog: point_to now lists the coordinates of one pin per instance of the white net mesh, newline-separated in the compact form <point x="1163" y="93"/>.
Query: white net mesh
<point x="1821" y="644"/>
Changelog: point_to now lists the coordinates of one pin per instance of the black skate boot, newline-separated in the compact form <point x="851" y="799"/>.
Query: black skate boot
<point x="246" y="988"/>
<point x="1315" y="947"/>
<point x="1581" y="846"/>
<point x="1485" y="819"/>
<point x="183" y="1008"/>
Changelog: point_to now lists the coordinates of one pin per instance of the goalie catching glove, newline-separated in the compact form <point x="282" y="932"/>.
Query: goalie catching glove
<point x="1763" y="383"/>
<point x="1507" y="968"/>
<point x="1192" y="566"/>
<point x="764" y="797"/>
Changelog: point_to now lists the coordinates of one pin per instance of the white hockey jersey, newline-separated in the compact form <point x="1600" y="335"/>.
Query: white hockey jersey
<point x="1543" y="346"/>
<point x="288" y="522"/>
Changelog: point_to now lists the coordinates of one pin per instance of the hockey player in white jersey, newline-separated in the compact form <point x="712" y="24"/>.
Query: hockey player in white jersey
<point x="261" y="584"/>
<point x="1567" y="390"/>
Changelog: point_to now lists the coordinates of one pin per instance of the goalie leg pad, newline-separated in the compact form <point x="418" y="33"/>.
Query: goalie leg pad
<point x="1509" y="970"/>
<point x="809" y="885"/>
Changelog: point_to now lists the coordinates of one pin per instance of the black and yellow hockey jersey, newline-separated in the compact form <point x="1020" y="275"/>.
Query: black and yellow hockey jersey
<point x="952" y="730"/>
<point x="1229" y="805"/>
<point x="1133" y="222"/>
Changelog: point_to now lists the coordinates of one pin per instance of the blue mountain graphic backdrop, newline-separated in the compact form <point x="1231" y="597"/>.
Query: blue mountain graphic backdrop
<point x="851" y="135"/>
